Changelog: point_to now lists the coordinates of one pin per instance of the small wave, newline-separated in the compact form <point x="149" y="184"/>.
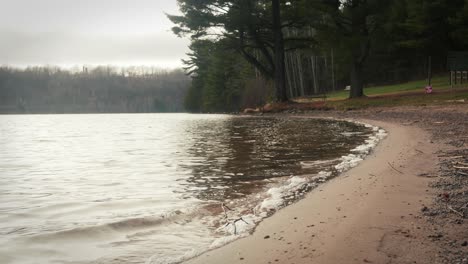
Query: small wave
<point x="361" y="151"/>
<point x="349" y="134"/>
<point x="105" y="231"/>
<point x="277" y="193"/>
<point x="317" y="163"/>
<point x="296" y="186"/>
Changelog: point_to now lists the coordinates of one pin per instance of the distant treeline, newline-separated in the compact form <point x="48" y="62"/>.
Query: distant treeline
<point x="96" y="90"/>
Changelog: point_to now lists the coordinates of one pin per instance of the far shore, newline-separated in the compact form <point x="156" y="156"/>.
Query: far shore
<point x="375" y="212"/>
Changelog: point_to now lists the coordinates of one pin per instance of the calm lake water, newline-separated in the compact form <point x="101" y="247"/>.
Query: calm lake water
<point x="148" y="188"/>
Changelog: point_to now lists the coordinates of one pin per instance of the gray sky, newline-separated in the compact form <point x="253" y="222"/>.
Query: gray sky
<point x="76" y="32"/>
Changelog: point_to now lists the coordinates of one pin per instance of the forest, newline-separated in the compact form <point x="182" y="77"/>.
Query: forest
<point x="91" y="90"/>
<point x="245" y="53"/>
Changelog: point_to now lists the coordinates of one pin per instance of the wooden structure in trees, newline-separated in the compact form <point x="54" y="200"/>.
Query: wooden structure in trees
<point x="457" y="64"/>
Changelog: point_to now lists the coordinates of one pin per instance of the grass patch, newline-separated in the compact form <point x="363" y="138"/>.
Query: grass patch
<point x="437" y="98"/>
<point x="439" y="83"/>
<point x="405" y="94"/>
<point x="410" y="93"/>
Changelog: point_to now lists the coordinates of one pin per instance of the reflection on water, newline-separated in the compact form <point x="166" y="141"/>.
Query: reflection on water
<point x="231" y="158"/>
<point x="123" y="188"/>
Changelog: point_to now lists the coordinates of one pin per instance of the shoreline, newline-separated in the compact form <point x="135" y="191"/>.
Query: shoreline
<point x="361" y="216"/>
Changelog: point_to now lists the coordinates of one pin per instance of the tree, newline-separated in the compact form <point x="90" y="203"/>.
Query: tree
<point x="459" y="26"/>
<point x="356" y="22"/>
<point x="280" y="69"/>
<point x="219" y="76"/>
<point x="253" y="26"/>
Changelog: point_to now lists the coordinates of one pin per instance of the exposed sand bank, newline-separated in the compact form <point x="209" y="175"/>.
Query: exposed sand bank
<point x="370" y="214"/>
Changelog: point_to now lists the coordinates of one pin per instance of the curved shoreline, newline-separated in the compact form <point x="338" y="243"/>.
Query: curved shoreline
<point x="355" y="218"/>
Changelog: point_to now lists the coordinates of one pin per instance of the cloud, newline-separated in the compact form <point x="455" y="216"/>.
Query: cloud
<point x="59" y="32"/>
<point x="66" y="48"/>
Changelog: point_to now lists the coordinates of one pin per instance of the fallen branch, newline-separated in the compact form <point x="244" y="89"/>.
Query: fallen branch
<point x="410" y="123"/>
<point x="224" y="207"/>
<point x="419" y="151"/>
<point x="451" y="157"/>
<point x="460" y="168"/>
<point x="394" y="168"/>
<point x="233" y="223"/>
<point x="455" y="211"/>
<point x="462" y="173"/>
<point x="427" y="175"/>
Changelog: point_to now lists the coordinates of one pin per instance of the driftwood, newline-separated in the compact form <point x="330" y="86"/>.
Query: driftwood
<point x="427" y="175"/>
<point x="455" y="211"/>
<point x="224" y="207"/>
<point x="419" y="151"/>
<point x="394" y="168"/>
<point x="460" y="168"/>
<point x="231" y="221"/>
<point x="410" y="123"/>
<point x="451" y="157"/>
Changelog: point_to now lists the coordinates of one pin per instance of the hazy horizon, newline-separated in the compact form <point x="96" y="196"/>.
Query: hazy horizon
<point x="70" y="33"/>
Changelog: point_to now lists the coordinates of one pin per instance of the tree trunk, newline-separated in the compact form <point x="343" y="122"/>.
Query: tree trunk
<point x="333" y="70"/>
<point x="301" y="78"/>
<point x="357" y="86"/>
<point x="289" y="75"/>
<point x="313" y="64"/>
<point x="289" y="57"/>
<point x="280" y="80"/>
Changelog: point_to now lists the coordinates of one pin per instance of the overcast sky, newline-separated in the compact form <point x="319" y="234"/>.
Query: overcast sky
<point x="77" y="32"/>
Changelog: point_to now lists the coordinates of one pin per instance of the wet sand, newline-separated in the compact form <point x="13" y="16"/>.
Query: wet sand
<point x="370" y="214"/>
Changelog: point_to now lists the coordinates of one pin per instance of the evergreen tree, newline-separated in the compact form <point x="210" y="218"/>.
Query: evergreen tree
<point x="254" y="28"/>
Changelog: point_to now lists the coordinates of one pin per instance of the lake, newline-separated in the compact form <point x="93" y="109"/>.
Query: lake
<point x="150" y="188"/>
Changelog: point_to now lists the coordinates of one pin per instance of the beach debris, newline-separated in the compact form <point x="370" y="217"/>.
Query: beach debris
<point x="394" y="168"/>
<point x="455" y="211"/>
<point x="224" y="207"/>
<point x="410" y="123"/>
<point x="266" y="237"/>
<point x="435" y="237"/>
<point x="233" y="223"/>
<point x="446" y="196"/>
<point x="419" y="151"/>
<point x="427" y="175"/>
<point x="450" y="157"/>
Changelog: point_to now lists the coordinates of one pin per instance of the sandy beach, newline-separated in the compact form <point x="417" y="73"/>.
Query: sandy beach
<point x="369" y="214"/>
